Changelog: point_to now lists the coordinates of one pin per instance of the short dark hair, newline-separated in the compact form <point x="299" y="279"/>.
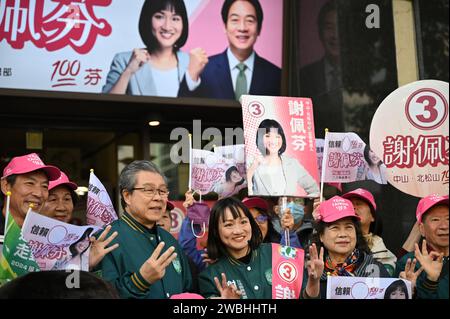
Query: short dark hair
<point x="324" y="10"/>
<point x="52" y="285"/>
<point x="398" y="284"/>
<point x="230" y="170"/>
<point x="361" y="243"/>
<point x="216" y="248"/>
<point x="149" y="8"/>
<point x="259" y="11"/>
<point x="73" y="249"/>
<point x="264" y="127"/>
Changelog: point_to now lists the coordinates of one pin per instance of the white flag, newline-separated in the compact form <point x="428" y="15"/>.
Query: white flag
<point x="100" y="210"/>
<point x="346" y="160"/>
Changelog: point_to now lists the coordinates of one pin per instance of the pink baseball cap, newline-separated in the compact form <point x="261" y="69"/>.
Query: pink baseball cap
<point x="170" y="206"/>
<point x="428" y="202"/>
<point x="258" y="202"/>
<point x="62" y="180"/>
<point x="336" y="208"/>
<point x="30" y="163"/>
<point x="186" y="295"/>
<point x="362" y="194"/>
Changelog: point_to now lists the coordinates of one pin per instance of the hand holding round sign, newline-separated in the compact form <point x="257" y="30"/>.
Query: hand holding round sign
<point x="409" y="132"/>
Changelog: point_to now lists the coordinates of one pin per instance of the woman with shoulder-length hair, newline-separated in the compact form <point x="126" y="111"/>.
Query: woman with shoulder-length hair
<point x="397" y="290"/>
<point x="376" y="170"/>
<point x="158" y="68"/>
<point x="231" y="184"/>
<point x="338" y="231"/>
<point x="235" y="240"/>
<point x="273" y="173"/>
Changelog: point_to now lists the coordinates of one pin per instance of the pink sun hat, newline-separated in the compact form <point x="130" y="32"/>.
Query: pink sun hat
<point x="336" y="208"/>
<point x="428" y="202"/>
<point x="62" y="180"/>
<point x="363" y="194"/>
<point x="30" y="163"/>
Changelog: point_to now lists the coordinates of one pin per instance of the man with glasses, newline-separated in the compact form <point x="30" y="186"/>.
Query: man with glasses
<point x="149" y="263"/>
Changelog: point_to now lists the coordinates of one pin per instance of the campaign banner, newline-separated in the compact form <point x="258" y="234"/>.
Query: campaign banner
<point x="56" y="245"/>
<point x="287" y="271"/>
<point x="234" y="178"/>
<point x="61" y="45"/>
<point x="207" y="170"/>
<point x="410" y="134"/>
<point x="17" y="258"/>
<point x="100" y="210"/>
<point x="340" y="287"/>
<point x="343" y="158"/>
<point x="280" y="147"/>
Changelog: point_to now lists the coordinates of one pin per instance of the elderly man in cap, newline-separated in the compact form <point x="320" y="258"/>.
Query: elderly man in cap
<point x="27" y="178"/>
<point x="430" y="267"/>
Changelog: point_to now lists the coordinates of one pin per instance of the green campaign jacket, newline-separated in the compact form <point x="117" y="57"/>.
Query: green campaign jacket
<point x="136" y="244"/>
<point x="253" y="279"/>
<point x="426" y="289"/>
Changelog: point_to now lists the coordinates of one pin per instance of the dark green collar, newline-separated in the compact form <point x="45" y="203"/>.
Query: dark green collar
<point x="135" y="225"/>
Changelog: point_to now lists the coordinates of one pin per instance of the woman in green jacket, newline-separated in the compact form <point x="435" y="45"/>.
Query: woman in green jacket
<point x="244" y="263"/>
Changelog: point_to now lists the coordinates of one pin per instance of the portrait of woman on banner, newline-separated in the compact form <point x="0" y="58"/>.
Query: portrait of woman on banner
<point x="376" y="170"/>
<point x="231" y="184"/>
<point x="77" y="258"/>
<point x="157" y="69"/>
<point x="272" y="172"/>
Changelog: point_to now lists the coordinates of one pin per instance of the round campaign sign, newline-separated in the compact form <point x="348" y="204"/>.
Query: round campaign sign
<point x="287" y="271"/>
<point x="409" y="133"/>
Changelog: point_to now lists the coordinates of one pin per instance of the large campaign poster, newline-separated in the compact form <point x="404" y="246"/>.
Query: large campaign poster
<point x="410" y="134"/>
<point x="280" y="147"/>
<point x="69" y="45"/>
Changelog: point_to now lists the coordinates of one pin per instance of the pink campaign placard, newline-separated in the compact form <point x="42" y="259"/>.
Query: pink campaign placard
<point x="409" y="132"/>
<point x="290" y="169"/>
<point x="287" y="268"/>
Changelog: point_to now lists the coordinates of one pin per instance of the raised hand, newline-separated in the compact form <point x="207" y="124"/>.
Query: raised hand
<point x="98" y="247"/>
<point x="197" y="62"/>
<point x="431" y="262"/>
<point x="410" y="274"/>
<point x="315" y="264"/>
<point x="227" y="291"/>
<point x="138" y="58"/>
<point x="154" y="268"/>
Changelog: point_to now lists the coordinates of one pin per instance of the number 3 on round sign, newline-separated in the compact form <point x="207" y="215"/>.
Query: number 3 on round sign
<point x="426" y="109"/>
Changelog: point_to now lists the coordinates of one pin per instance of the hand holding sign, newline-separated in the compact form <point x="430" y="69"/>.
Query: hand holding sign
<point x="154" y="268"/>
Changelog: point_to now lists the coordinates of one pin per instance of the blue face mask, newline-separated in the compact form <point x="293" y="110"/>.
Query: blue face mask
<point x="297" y="212"/>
